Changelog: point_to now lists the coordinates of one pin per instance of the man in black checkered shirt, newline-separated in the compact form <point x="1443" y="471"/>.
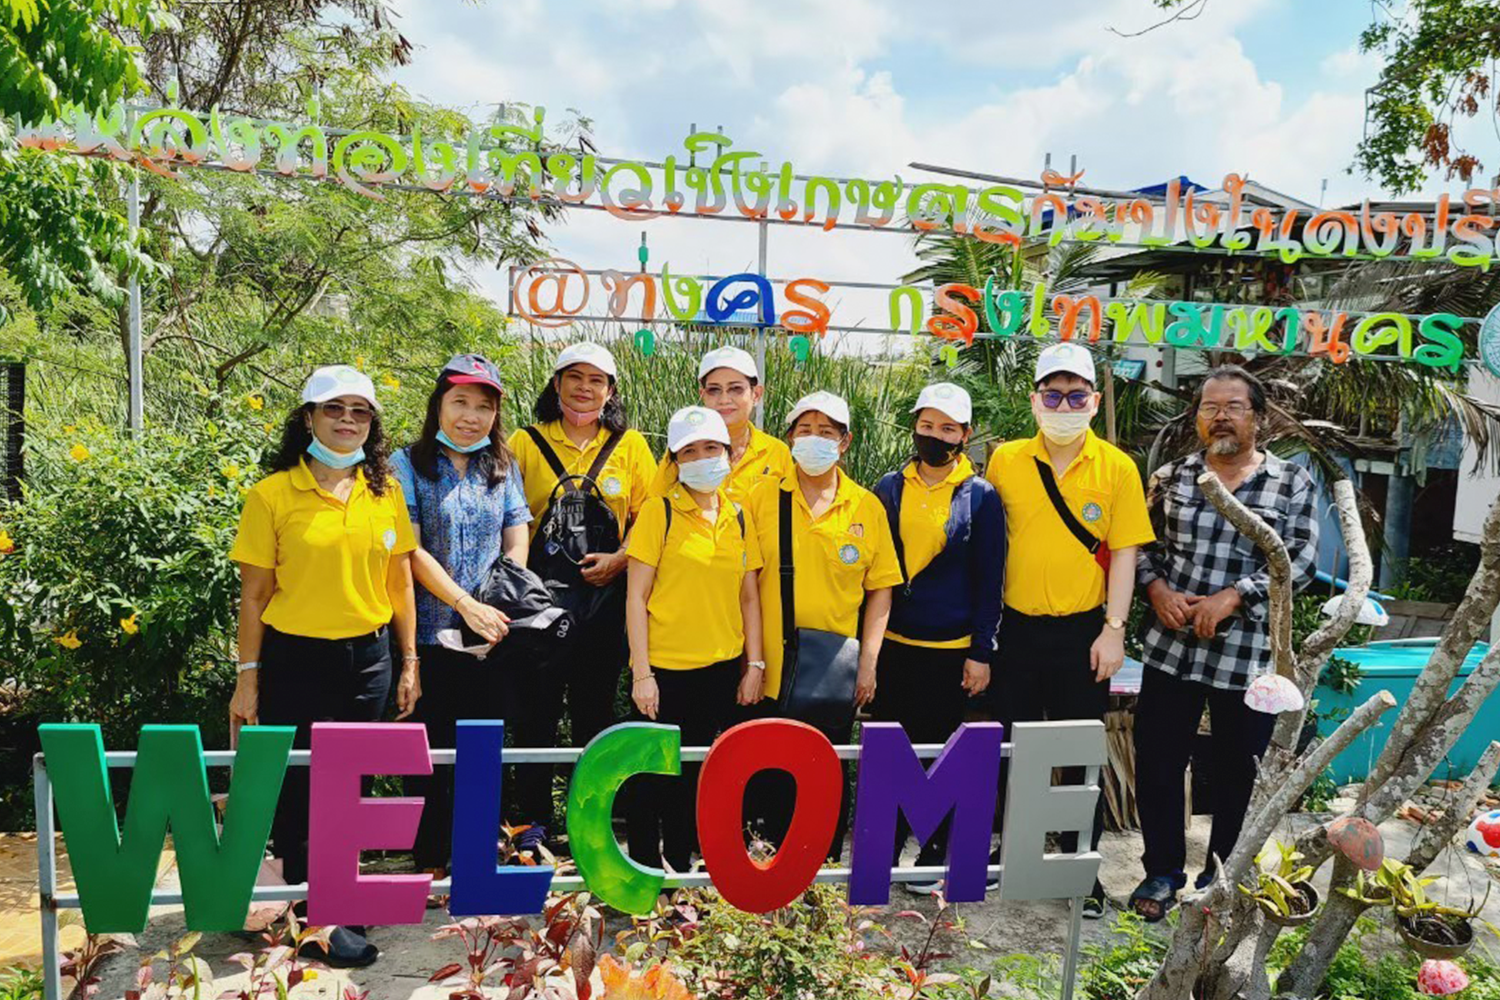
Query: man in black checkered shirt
<point x="1206" y="635"/>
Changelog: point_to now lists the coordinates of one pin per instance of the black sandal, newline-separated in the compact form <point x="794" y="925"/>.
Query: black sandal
<point x="1154" y="897"/>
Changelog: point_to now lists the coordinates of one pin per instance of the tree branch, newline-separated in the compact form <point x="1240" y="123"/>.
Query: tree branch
<point x="1279" y="566"/>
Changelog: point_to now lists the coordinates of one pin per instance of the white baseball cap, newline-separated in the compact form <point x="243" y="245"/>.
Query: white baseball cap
<point x="333" y="381"/>
<point x="947" y="397"/>
<point x="587" y="352"/>
<point x="695" y="423"/>
<point x="1074" y="359"/>
<point x="831" y="406"/>
<point x="729" y="357"/>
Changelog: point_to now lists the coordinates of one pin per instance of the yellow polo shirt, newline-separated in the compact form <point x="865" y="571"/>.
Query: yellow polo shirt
<point x="1047" y="571"/>
<point x="625" y="479"/>
<point x="924" y="518"/>
<point x="765" y="458"/>
<point x="330" y="556"/>
<point x="693" y="613"/>
<point x="837" y="556"/>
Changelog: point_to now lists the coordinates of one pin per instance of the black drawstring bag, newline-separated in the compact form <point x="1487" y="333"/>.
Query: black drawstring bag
<point x="534" y="617"/>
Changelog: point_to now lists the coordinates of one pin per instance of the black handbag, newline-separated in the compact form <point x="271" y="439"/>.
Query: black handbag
<point x="819" y="669"/>
<point x="535" y="618"/>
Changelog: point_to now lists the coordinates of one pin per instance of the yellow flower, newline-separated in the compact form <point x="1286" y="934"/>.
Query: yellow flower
<point x="68" y="641"/>
<point x="359" y="362"/>
<point x="256" y="402"/>
<point x="70" y="429"/>
<point x="78" y="452"/>
<point x="269" y="427"/>
<point x="7" y="544"/>
<point x="231" y="470"/>
<point x="129" y="625"/>
<point x="391" y="381"/>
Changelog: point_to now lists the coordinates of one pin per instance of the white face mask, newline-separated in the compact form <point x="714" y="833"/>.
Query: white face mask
<point x="1064" y="427"/>
<point x="705" y="475"/>
<point x="816" y="455"/>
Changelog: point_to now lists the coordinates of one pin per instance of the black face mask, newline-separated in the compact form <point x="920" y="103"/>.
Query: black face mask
<point x="935" y="451"/>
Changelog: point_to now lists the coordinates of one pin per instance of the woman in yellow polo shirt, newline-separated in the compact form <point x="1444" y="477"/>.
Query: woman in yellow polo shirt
<point x="324" y="548"/>
<point x="693" y="614"/>
<point x="581" y="440"/>
<point x="842" y="559"/>
<point x="729" y="384"/>
<point x="950" y="536"/>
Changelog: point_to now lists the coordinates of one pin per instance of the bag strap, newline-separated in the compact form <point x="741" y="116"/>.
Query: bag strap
<point x="893" y="514"/>
<point x="1085" y="537"/>
<point x="604" y="453"/>
<point x="788" y="582"/>
<point x="545" y="447"/>
<point x="666" y="505"/>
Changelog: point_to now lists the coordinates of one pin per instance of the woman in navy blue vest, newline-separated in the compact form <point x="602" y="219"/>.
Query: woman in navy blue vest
<point x="468" y="506"/>
<point x="949" y="529"/>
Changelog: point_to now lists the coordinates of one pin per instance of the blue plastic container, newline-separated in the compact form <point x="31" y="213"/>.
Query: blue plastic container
<point x="1394" y="666"/>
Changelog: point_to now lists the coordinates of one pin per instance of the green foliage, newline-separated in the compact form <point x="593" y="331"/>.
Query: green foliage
<point x="19" y="982"/>
<point x="1276" y="878"/>
<point x="1441" y="575"/>
<point x="1320" y="794"/>
<point x="1120" y="967"/>
<point x="57" y="52"/>
<point x="1371" y="970"/>
<point x="1438" y="64"/>
<point x="124" y="598"/>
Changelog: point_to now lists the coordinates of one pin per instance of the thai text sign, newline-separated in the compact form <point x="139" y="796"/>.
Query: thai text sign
<point x="115" y="871"/>
<point x="709" y="177"/>
<point x="555" y="292"/>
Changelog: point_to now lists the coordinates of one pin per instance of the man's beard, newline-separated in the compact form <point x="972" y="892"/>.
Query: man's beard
<point x="1226" y="445"/>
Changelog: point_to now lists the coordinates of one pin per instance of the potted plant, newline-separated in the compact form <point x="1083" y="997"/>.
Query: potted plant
<point x="1282" y="890"/>
<point x="1429" y="928"/>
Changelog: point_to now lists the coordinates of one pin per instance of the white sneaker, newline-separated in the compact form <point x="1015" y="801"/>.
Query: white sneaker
<point x="924" y="888"/>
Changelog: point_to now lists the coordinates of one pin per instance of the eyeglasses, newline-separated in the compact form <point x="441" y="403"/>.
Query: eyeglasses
<point x="1077" y="400"/>
<point x="1212" y="411"/>
<point x="335" y="410"/>
<point x="737" y="391"/>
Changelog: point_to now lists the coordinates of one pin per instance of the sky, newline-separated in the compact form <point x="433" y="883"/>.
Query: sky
<point x="1271" y="89"/>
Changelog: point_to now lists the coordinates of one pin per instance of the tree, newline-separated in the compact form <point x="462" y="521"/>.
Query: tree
<point x="1221" y="941"/>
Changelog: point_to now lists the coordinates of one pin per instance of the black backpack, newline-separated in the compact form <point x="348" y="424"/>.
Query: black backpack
<point x="577" y="521"/>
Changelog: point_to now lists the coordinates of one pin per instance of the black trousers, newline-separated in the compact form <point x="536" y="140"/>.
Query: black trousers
<point x="1041" y="673"/>
<point x="583" y="677"/>
<point x="454" y="686"/>
<point x="922" y="690"/>
<point x="661" y="810"/>
<point x="1166" y="722"/>
<point x="302" y="681"/>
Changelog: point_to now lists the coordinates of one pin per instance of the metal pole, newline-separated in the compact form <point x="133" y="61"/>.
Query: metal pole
<point x="46" y="866"/>
<point x="134" y="362"/>
<point x="760" y="331"/>
<point x="1075" y="940"/>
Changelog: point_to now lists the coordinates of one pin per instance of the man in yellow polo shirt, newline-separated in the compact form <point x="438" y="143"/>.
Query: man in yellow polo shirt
<point x="729" y="384"/>
<point x="1072" y="503"/>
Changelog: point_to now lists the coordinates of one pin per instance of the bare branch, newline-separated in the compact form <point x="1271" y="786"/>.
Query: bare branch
<point x="1191" y="12"/>
<point x="1279" y="567"/>
<point x="1435" y="836"/>
<point x="1361" y="572"/>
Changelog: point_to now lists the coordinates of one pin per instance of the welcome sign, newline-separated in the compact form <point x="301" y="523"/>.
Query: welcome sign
<point x="115" y="869"/>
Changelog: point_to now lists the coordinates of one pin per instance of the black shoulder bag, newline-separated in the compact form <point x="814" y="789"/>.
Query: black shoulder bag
<point x="818" y="668"/>
<point x="1085" y="537"/>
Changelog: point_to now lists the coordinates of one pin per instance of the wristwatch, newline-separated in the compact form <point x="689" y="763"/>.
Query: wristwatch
<point x="757" y="664"/>
<point x="1114" y="622"/>
<point x="249" y="665"/>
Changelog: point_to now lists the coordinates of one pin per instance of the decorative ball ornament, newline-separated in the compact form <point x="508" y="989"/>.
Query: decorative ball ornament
<point x="1274" y="694"/>
<point x="1357" y="839"/>
<point x="1483" y="837"/>
<point x="1439" y="977"/>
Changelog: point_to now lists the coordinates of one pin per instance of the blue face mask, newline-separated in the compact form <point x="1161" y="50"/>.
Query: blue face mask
<point x="447" y="442"/>
<point x="334" y="459"/>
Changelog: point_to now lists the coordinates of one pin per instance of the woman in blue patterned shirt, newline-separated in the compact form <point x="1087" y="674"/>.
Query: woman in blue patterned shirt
<point x="467" y="504"/>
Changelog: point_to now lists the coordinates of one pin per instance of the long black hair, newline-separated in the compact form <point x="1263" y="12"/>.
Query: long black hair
<point x="549" y="407"/>
<point x="296" y="435"/>
<point x="493" y="462"/>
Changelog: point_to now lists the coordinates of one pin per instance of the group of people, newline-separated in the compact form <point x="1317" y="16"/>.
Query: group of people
<point x="742" y="563"/>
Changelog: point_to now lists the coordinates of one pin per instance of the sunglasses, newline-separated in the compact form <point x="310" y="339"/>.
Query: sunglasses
<point x="335" y="410"/>
<point x="1078" y="399"/>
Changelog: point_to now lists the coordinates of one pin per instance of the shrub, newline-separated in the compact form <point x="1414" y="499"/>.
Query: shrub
<point x="122" y="593"/>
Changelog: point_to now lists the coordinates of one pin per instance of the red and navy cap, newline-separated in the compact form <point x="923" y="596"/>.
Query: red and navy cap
<point x="472" y="369"/>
